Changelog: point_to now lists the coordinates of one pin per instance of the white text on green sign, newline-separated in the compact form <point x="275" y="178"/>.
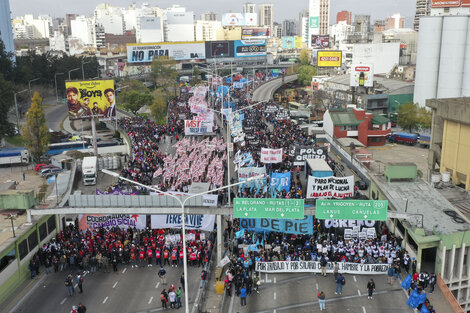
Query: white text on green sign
<point x="373" y="210"/>
<point x="268" y="208"/>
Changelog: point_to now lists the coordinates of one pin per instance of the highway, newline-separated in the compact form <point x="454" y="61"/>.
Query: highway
<point x="266" y="91"/>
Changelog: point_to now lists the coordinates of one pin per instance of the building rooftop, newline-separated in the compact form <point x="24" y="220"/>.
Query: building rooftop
<point x="421" y="198"/>
<point x="379" y="119"/>
<point x="344" y="118"/>
<point x="389" y="84"/>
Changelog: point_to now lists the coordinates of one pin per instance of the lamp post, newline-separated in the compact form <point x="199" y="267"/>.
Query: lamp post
<point x="29" y="84"/>
<point x="75" y="69"/>
<point x="56" y="90"/>
<point x="83" y="72"/>
<point x="17" y="110"/>
<point x="183" y="227"/>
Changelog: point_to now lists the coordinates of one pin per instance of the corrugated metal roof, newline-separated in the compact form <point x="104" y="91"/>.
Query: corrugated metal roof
<point x="389" y="84"/>
<point x="379" y="120"/>
<point x="345" y="118"/>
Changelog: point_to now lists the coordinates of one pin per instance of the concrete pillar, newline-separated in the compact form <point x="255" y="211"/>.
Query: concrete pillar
<point x="418" y="259"/>
<point x="452" y="263"/>
<point x="28" y="216"/>
<point x="443" y="260"/>
<point x="461" y="256"/>
<point x="220" y="230"/>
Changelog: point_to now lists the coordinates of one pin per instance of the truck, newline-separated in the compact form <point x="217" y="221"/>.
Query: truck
<point x="424" y="141"/>
<point x="14" y="156"/>
<point x="406" y="138"/>
<point x="89" y="173"/>
<point x="318" y="168"/>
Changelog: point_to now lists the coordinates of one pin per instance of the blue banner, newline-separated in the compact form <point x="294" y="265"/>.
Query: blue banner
<point x="406" y="282"/>
<point x="222" y="91"/>
<point x="228" y="80"/>
<point x="280" y="181"/>
<point x="298" y="227"/>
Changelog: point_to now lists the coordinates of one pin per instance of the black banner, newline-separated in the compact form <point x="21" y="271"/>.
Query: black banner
<point x="298" y="154"/>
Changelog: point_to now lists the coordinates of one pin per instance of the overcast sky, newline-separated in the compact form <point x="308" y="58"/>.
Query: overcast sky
<point x="283" y="9"/>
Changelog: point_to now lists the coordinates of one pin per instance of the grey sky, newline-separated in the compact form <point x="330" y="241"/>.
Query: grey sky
<point x="283" y="9"/>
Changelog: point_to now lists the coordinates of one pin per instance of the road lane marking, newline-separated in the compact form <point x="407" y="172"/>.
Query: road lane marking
<point x="267" y="280"/>
<point x="114" y="286"/>
<point x="274" y="296"/>
<point x="364" y="309"/>
<point x="76" y="285"/>
<point x="62" y="302"/>
<point x="150" y="300"/>
<point x="316" y="285"/>
<point x="354" y="277"/>
<point x="105" y="299"/>
<point x="124" y="270"/>
<point x="274" y="279"/>
<point x="358" y="292"/>
<point x="158" y="284"/>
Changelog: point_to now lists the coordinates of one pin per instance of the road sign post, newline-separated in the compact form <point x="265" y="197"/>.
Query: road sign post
<point x="371" y="210"/>
<point x="268" y="208"/>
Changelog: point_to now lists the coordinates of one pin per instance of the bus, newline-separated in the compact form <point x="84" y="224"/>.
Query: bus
<point x="58" y="148"/>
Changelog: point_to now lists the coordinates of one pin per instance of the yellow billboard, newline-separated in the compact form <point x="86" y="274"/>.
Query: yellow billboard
<point x="91" y="98"/>
<point x="298" y="42"/>
<point x="328" y="58"/>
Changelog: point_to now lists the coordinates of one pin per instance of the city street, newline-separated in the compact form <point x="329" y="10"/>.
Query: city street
<point x="128" y="290"/>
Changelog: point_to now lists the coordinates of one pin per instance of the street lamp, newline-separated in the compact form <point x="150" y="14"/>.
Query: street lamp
<point x="183" y="222"/>
<point x="83" y="72"/>
<point x="75" y="69"/>
<point x="55" y="81"/>
<point x="17" y="111"/>
<point x="29" y="84"/>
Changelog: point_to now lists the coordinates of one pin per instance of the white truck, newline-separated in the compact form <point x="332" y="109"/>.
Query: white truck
<point x="89" y="170"/>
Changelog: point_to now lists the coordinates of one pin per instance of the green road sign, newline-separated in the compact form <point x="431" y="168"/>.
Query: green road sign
<point x="371" y="210"/>
<point x="268" y="208"/>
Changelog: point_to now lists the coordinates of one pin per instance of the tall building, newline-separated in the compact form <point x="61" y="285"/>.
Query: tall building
<point x="289" y="28"/>
<point x="206" y="30"/>
<point x="111" y="18"/>
<point x="68" y="19"/>
<point x="301" y="28"/>
<point x="362" y="23"/>
<point x="380" y="26"/>
<point x="249" y="8"/>
<point x="6" y="29"/>
<point x="209" y="16"/>
<point x="395" y="21"/>
<point x="148" y="29"/>
<point x="319" y="18"/>
<point x="344" y="16"/>
<point x="266" y="16"/>
<point x="81" y="28"/>
<point x="423" y="8"/>
<point x="178" y="26"/>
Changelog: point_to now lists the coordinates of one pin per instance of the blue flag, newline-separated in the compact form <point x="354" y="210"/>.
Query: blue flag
<point x="51" y="180"/>
<point x="413" y="301"/>
<point x="406" y="282"/>
<point x="240" y="233"/>
<point x="421" y="297"/>
<point x="424" y="309"/>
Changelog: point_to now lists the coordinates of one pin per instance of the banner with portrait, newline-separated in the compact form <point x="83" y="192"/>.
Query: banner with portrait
<point x="91" y="98"/>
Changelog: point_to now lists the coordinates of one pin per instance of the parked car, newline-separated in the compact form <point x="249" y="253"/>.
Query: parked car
<point x="47" y="170"/>
<point x="51" y="172"/>
<point x="42" y="166"/>
<point x="361" y="185"/>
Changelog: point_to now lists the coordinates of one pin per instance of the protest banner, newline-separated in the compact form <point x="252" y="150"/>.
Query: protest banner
<point x="347" y="223"/>
<point x="280" y="181"/>
<point x="288" y="226"/>
<point x="91" y="222"/>
<point x="271" y="155"/>
<point x="282" y="114"/>
<point x="298" y="154"/>
<point x="330" y="187"/>
<point x="199" y="222"/>
<point x="315" y="267"/>
<point x="246" y="172"/>
<point x="193" y="127"/>
<point x="271" y="109"/>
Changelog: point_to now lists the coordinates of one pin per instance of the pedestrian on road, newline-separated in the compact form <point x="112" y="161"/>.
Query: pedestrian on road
<point x="115" y="264"/>
<point x="172" y="296"/>
<point x="243" y="295"/>
<point x="397" y="271"/>
<point x="390" y="274"/>
<point x="81" y="308"/>
<point x="203" y="278"/>
<point x="321" y="300"/>
<point x="164" y="298"/>
<point x="256" y="283"/>
<point x="182" y="280"/>
<point x="340" y="282"/>
<point x="370" y="288"/>
<point x="80" y="282"/>
<point x="24" y="176"/>
<point x="336" y="270"/>
<point x="105" y="261"/>
<point x="178" y="298"/>
<point x="432" y="282"/>
<point x="69" y="284"/>
<point x="161" y="274"/>
<point x="323" y="263"/>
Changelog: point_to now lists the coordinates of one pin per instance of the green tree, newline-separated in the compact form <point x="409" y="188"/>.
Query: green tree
<point x="6" y="102"/>
<point x="6" y="63"/>
<point x="164" y="73"/>
<point x="196" y="77"/>
<point x="408" y="117"/>
<point x="304" y="57"/>
<point x="424" y="118"/>
<point x="159" y="106"/>
<point x="305" y="74"/>
<point x="35" y="132"/>
<point x="134" y="100"/>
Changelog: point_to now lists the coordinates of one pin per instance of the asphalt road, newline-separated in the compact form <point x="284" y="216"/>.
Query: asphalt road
<point x="298" y="293"/>
<point x="129" y="290"/>
<point x="265" y="93"/>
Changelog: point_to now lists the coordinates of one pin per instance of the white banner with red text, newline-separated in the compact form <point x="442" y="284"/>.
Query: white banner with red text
<point x="271" y="155"/>
<point x="193" y="127"/>
<point x="330" y="187"/>
<point x="315" y="267"/>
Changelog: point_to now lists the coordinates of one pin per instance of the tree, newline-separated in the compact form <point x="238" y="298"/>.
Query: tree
<point x="163" y="73"/>
<point x="196" y="77"/>
<point x="133" y="100"/>
<point x="6" y="62"/>
<point x="35" y="132"/>
<point x="305" y="74"/>
<point x="424" y="118"/>
<point x="304" y="57"/>
<point x="6" y="102"/>
<point x="408" y="117"/>
<point x="159" y="107"/>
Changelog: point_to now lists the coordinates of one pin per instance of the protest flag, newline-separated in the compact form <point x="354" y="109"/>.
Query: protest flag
<point x="406" y="282"/>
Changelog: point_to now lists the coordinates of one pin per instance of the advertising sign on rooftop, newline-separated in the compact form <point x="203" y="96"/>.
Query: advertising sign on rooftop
<point x="233" y="19"/>
<point x="327" y="58"/>
<point x="142" y="53"/>
<point x="447" y="3"/>
<point x="90" y="98"/>
<point x="249" y="49"/>
<point x="362" y="75"/>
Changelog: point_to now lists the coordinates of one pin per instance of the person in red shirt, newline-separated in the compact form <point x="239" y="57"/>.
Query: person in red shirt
<point x="158" y="257"/>
<point x="174" y="258"/>
<point x="166" y="257"/>
<point x="133" y="258"/>
<point x="141" y="256"/>
<point x="181" y="257"/>
<point x="149" y="256"/>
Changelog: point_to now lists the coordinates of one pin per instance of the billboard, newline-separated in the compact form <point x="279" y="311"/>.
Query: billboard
<point x="138" y="53"/>
<point x="320" y="41"/>
<point x="255" y="33"/>
<point x="251" y="19"/>
<point x="218" y="49"/>
<point x="298" y="42"/>
<point x="249" y="49"/>
<point x="447" y="3"/>
<point x="233" y="19"/>
<point x="327" y="58"/>
<point x="90" y="98"/>
<point x="362" y="75"/>
<point x="179" y="18"/>
<point x="288" y="42"/>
